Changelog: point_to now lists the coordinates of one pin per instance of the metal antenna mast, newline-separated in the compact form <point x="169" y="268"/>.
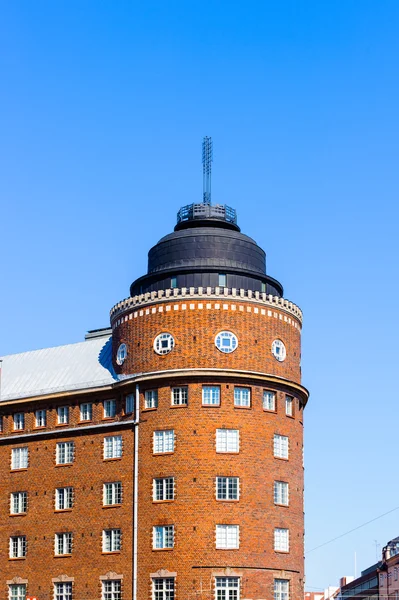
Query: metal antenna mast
<point x="207" y="158"/>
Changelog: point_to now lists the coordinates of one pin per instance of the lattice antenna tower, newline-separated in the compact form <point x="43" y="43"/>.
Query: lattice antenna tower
<point x="207" y="158"/>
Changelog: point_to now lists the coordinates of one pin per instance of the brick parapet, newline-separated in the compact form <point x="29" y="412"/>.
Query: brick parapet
<point x="168" y="295"/>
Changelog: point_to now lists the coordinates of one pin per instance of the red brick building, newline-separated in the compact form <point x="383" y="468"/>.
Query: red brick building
<point x="162" y="458"/>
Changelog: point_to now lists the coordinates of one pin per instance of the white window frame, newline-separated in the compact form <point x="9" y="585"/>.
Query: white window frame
<point x="18" y="546"/>
<point x="65" y="453"/>
<point x="112" y="540"/>
<point x="228" y="441"/>
<point x="63" y="543"/>
<point x="86" y="411"/>
<point x="41" y="418"/>
<point x="109" y="409"/>
<point x="227" y="537"/>
<point x="164" y="343"/>
<point x="289" y="406"/>
<point x="63" y="415"/>
<point x="163" y="588"/>
<point x="111" y="589"/>
<point x="163" y="537"/>
<point x="269" y="400"/>
<point x="179" y="396"/>
<point x="227" y="588"/>
<point x="64" y="498"/>
<point x="229" y="347"/>
<point x="18" y="503"/>
<point x="281" y="539"/>
<point x="63" y="591"/>
<point x="19" y="458"/>
<point x="164" y="441"/>
<point x="19" y="421"/>
<point x="242" y="397"/>
<point x="129" y="404"/>
<point x="226" y="487"/>
<point x="281" y="589"/>
<point x="281" y="493"/>
<point x="151" y="399"/>
<point x="211" y="395"/>
<point x="113" y="447"/>
<point x="163" y="489"/>
<point x="281" y="446"/>
<point x="17" y="591"/>
<point x="112" y="493"/>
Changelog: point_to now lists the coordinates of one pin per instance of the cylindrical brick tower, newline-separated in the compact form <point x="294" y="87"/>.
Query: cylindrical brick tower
<point x="214" y="349"/>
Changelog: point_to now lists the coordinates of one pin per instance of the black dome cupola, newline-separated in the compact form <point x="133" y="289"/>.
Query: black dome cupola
<point x="206" y="249"/>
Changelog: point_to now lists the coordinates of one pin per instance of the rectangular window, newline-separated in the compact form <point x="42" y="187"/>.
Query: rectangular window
<point x="86" y="411"/>
<point x="211" y="395"/>
<point x="222" y="280"/>
<point x="179" y="396"/>
<point x="19" y="458"/>
<point x="269" y="400"/>
<point x="163" y="489"/>
<point x="151" y="399"/>
<point x="289" y="406"/>
<point x="227" y="536"/>
<point x="18" y="546"/>
<point x="113" y="446"/>
<point x="112" y="493"/>
<point x="111" y="540"/>
<point x="63" y="543"/>
<point x="280" y="446"/>
<point x="129" y="404"/>
<point x="111" y="589"/>
<point x="173" y="282"/>
<point x="242" y="396"/>
<point x="281" y="589"/>
<point x="109" y="409"/>
<point x="63" y="591"/>
<point x="64" y="498"/>
<point x="19" y="421"/>
<point x="281" y="492"/>
<point x="281" y="540"/>
<point x="40" y="418"/>
<point x="63" y="415"/>
<point x="17" y="592"/>
<point x="227" y="440"/>
<point x="163" y="536"/>
<point x="65" y="453"/>
<point x="263" y="288"/>
<point x="18" y="503"/>
<point x="227" y="588"/>
<point x="163" y="588"/>
<point x="164" y="441"/>
<point x="227" y="488"/>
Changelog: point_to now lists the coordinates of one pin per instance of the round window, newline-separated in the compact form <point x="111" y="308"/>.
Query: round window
<point x="225" y="341"/>
<point x="121" y="354"/>
<point x="164" y="343"/>
<point x="278" y="350"/>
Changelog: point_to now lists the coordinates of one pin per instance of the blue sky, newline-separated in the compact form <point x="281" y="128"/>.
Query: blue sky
<point x="103" y="106"/>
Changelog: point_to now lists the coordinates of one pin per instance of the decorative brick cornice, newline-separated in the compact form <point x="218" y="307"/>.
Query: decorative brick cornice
<point x="199" y="293"/>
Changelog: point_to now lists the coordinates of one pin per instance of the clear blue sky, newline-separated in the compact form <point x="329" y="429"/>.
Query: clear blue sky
<point x="103" y="106"/>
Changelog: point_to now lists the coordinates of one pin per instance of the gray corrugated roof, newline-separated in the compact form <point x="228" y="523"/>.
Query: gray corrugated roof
<point x="71" y="367"/>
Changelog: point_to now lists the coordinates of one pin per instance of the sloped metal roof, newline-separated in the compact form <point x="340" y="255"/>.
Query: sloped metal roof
<point x="50" y="370"/>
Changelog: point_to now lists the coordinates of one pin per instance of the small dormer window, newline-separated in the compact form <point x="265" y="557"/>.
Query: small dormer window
<point x="222" y="280"/>
<point x="173" y="282"/>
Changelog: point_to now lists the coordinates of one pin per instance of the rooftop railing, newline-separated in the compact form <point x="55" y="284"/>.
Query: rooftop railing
<point x="207" y="211"/>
